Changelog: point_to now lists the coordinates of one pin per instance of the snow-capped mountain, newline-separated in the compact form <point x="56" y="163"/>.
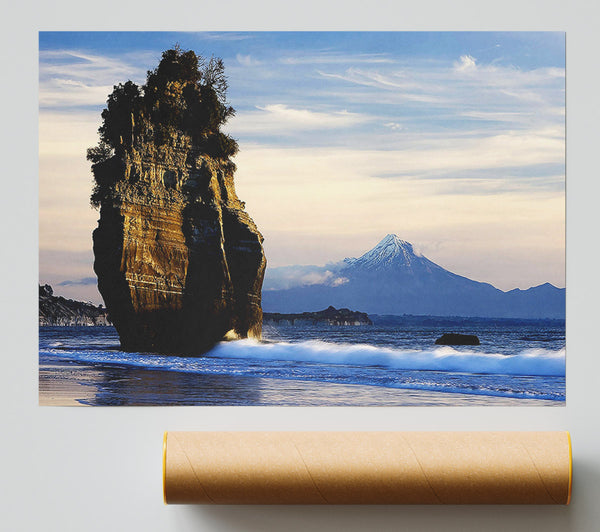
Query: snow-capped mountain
<point x="390" y="251"/>
<point x="392" y="278"/>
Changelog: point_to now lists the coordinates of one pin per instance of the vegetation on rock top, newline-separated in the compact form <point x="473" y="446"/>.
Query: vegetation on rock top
<point x="184" y="95"/>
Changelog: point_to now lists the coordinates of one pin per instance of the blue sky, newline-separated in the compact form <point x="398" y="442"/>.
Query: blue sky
<point x="453" y="141"/>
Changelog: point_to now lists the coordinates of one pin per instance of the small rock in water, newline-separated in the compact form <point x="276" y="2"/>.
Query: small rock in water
<point x="457" y="339"/>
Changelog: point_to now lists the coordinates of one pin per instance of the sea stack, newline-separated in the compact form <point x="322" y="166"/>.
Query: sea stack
<point x="180" y="264"/>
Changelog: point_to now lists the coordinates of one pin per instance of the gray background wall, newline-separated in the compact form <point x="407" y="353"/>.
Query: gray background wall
<point x="80" y="469"/>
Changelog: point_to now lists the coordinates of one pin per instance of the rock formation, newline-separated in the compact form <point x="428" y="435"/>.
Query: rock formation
<point x="179" y="262"/>
<point x="329" y="316"/>
<point x="58" y="311"/>
<point x="457" y="339"/>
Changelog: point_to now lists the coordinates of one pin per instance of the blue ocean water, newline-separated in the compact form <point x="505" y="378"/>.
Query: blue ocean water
<point x="516" y="359"/>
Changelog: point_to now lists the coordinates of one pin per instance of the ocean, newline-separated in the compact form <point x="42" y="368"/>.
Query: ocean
<point x="394" y="362"/>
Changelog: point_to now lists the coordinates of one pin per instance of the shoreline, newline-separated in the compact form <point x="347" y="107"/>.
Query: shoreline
<point x="69" y="383"/>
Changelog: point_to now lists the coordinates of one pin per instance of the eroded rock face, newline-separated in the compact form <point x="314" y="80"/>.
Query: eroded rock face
<point x="180" y="264"/>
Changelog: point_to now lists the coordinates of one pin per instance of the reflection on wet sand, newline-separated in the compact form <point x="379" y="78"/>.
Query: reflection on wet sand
<point x="71" y="383"/>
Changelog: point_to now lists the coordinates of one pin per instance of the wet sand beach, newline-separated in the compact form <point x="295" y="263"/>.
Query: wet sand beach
<point x="75" y="384"/>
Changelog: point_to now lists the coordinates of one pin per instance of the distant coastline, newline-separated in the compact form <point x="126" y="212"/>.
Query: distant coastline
<point x="329" y="316"/>
<point x="57" y="311"/>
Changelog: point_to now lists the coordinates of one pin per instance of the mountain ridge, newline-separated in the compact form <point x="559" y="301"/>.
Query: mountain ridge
<point x="391" y="278"/>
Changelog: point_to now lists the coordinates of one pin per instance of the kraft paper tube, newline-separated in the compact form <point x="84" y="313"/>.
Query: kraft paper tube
<point x="367" y="467"/>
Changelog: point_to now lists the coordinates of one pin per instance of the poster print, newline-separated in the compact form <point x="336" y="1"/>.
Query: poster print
<point x="307" y="219"/>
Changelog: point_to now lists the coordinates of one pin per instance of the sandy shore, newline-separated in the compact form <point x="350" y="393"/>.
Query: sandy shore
<point x="74" y="384"/>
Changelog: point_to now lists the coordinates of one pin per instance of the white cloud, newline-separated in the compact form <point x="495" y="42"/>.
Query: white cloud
<point x="465" y="63"/>
<point x="419" y="158"/>
<point x="298" y="275"/>
<point x="326" y="277"/>
<point x="339" y="281"/>
<point x="335" y="58"/>
<point x="71" y="78"/>
<point x="285" y="120"/>
<point x="68" y="93"/>
<point x="513" y="117"/>
<point x="351" y="176"/>
<point x="394" y="126"/>
<point x="224" y="36"/>
<point x="247" y="60"/>
<point x="459" y="87"/>
<point x="404" y="87"/>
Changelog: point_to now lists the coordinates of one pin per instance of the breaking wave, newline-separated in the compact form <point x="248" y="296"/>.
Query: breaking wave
<point x="533" y="362"/>
<point x="538" y="362"/>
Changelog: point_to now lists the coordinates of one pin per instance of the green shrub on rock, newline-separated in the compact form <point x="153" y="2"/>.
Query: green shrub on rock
<point x="184" y="95"/>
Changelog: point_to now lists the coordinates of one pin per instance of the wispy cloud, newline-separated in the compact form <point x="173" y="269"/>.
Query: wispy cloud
<point x="69" y="93"/>
<point x="74" y="78"/>
<point x="456" y="150"/>
<point x="328" y="57"/>
<point x="225" y="36"/>
<point x="404" y="87"/>
<point x="464" y="83"/>
<point x="285" y="120"/>
<point x="496" y="155"/>
<point x="247" y="60"/>
<point x="513" y="117"/>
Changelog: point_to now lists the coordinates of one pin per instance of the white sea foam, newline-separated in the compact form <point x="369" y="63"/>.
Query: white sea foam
<point x="530" y="362"/>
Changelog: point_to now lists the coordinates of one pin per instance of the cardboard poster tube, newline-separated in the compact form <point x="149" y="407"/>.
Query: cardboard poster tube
<point x="367" y="467"/>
